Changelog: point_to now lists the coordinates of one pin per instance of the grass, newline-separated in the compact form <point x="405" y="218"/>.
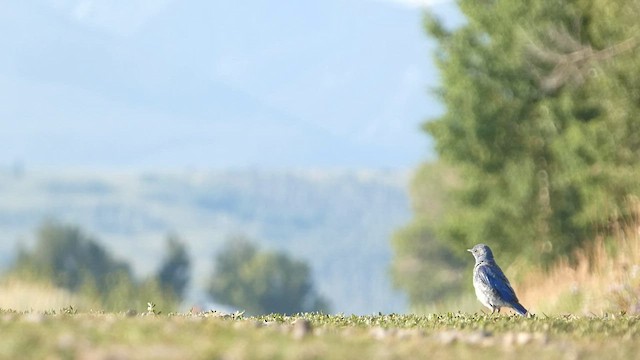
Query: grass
<point x="591" y="302"/>
<point x="605" y="277"/>
<point x="601" y="284"/>
<point x="21" y="295"/>
<point x="65" y="334"/>
<point x="592" y="306"/>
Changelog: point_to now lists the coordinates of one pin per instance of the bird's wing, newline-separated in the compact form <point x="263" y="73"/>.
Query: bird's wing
<point x="492" y="276"/>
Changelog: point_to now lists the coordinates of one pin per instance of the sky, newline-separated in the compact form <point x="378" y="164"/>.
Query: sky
<point x="175" y="84"/>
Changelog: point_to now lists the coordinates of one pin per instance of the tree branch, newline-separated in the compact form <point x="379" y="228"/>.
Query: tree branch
<point x="571" y="60"/>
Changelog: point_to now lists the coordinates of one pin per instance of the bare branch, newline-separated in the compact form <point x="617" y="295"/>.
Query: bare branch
<point x="569" y="59"/>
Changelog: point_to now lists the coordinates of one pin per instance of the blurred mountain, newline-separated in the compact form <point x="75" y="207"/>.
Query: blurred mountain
<point x="147" y="84"/>
<point x="340" y="222"/>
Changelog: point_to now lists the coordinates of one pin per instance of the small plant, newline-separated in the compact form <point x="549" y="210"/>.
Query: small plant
<point x="69" y="310"/>
<point x="237" y="315"/>
<point x="151" y="309"/>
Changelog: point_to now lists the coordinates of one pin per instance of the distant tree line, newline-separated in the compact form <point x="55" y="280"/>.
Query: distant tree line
<point x="244" y="278"/>
<point x="68" y="258"/>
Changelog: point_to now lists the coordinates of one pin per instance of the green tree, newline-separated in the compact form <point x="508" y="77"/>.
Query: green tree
<point x="261" y="282"/>
<point x="71" y="259"/>
<point x="426" y="269"/>
<point x="175" y="271"/>
<point x="541" y="125"/>
<point x="65" y="256"/>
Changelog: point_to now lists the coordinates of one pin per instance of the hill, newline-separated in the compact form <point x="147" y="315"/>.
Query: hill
<point x="339" y="221"/>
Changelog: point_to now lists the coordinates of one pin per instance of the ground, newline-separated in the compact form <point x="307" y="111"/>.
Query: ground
<point x="68" y="334"/>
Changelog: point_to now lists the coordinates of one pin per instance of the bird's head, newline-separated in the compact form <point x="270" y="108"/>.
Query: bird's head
<point x="481" y="252"/>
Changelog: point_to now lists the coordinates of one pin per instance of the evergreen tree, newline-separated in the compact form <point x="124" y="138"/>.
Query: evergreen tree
<point x="541" y="126"/>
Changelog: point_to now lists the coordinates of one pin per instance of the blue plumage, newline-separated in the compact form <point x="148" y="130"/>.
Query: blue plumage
<point x="492" y="287"/>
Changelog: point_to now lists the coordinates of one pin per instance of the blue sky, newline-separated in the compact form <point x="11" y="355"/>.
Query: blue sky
<point x="161" y="84"/>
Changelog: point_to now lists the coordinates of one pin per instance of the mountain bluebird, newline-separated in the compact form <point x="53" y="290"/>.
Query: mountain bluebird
<point x="492" y="287"/>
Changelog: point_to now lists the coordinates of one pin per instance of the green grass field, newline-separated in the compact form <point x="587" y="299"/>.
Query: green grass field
<point x="66" y="334"/>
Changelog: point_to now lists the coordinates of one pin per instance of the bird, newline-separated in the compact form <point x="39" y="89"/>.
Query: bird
<point x="492" y="287"/>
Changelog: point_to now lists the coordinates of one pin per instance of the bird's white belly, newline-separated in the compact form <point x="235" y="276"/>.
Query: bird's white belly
<point x="481" y="294"/>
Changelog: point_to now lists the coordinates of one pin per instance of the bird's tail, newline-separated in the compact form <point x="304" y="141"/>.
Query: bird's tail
<point x="520" y="309"/>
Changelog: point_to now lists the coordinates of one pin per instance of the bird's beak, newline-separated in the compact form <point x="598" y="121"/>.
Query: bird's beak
<point x="469" y="250"/>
